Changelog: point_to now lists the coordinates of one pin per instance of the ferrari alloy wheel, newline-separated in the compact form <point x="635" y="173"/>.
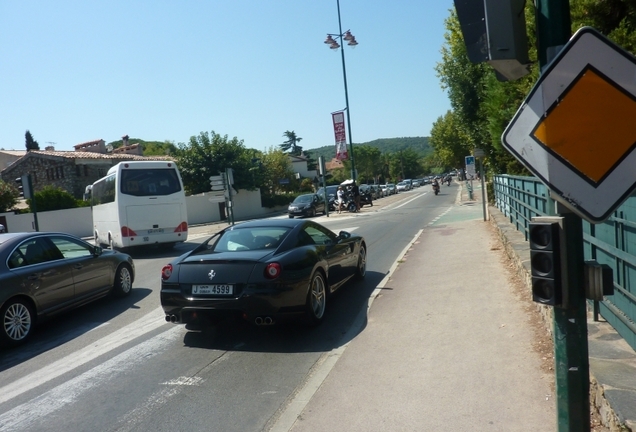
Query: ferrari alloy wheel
<point x="361" y="269"/>
<point x="17" y="322"/>
<point x="316" y="299"/>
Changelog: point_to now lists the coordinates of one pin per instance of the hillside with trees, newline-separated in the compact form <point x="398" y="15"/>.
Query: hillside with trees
<point x="419" y="145"/>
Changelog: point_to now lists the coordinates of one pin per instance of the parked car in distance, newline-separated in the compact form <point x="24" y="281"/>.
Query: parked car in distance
<point x="332" y="192"/>
<point x="264" y="271"/>
<point x="391" y="188"/>
<point x="385" y="190"/>
<point x="46" y="273"/>
<point x="402" y="186"/>
<point x="307" y="205"/>
<point x="416" y="183"/>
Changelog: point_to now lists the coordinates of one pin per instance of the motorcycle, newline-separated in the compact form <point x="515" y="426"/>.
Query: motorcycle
<point x="436" y="188"/>
<point x="366" y="199"/>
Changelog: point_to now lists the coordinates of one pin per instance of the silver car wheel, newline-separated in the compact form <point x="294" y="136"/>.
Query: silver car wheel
<point x="361" y="271"/>
<point x="123" y="281"/>
<point x="17" y="322"/>
<point x="317" y="297"/>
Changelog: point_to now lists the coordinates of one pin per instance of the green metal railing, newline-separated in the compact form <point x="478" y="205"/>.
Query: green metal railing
<point x="612" y="242"/>
<point x="522" y="198"/>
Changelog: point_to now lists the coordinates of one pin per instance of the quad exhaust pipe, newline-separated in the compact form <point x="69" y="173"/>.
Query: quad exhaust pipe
<point x="259" y="321"/>
<point x="172" y="319"/>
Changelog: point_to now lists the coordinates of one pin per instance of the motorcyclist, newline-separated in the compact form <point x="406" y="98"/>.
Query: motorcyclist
<point x="435" y="185"/>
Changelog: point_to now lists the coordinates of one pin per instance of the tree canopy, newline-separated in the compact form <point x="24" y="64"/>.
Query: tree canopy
<point x="291" y="144"/>
<point x="8" y="196"/>
<point x="209" y="154"/>
<point x="482" y="106"/>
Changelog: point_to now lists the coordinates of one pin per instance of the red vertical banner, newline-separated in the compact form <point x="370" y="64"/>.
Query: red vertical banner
<point x="341" y="135"/>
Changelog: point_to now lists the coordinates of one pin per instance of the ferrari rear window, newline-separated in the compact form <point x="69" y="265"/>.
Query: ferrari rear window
<point x="249" y="239"/>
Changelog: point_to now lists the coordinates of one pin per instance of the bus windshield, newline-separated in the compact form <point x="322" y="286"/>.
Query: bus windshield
<point x="150" y="182"/>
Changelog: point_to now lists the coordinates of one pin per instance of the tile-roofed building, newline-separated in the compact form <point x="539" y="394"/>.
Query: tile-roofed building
<point x="334" y="164"/>
<point x="69" y="170"/>
<point x="7" y="157"/>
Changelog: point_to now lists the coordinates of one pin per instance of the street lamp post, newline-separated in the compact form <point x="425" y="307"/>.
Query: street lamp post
<point x="333" y="44"/>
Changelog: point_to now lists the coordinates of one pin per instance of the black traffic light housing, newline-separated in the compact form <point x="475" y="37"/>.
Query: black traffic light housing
<point x="24" y="186"/>
<point x="547" y="257"/>
<point x="494" y="31"/>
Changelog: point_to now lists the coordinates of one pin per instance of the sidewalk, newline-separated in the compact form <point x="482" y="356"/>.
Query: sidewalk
<point x="449" y="344"/>
<point x="446" y="346"/>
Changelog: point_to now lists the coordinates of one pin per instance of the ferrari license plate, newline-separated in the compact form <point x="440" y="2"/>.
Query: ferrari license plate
<point x="213" y="289"/>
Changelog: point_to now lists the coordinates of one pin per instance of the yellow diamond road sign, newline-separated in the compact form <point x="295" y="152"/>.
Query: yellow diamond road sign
<point x="576" y="130"/>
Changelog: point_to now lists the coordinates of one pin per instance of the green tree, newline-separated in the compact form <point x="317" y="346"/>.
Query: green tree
<point x="8" y="196"/>
<point x="209" y="154"/>
<point x="450" y="142"/>
<point x="31" y="144"/>
<point x="53" y="198"/>
<point x="405" y="164"/>
<point x="481" y="105"/>
<point x="368" y="163"/>
<point x="291" y="145"/>
<point x="276" y="167"/>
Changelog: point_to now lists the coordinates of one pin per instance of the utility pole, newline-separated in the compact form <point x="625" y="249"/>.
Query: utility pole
<point x="571" y="355"/>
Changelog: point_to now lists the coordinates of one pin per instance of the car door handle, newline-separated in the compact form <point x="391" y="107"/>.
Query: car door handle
<point x="33" y="276"/>
<point x="78" y="266"/>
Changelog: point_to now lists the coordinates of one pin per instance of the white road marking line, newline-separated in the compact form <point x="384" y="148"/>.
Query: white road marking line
<point x="24" y="416"/>
<point x="440" y="216"/>
<point x="409" y="201"/>
<point x="147" y="323"/>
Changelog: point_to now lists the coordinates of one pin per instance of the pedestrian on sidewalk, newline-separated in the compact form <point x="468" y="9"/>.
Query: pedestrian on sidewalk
<point x="340" y="198"/>
<point x="355" y="190"/>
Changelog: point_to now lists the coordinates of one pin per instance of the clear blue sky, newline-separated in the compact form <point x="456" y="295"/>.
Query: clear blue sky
<point x="73" y="71"/>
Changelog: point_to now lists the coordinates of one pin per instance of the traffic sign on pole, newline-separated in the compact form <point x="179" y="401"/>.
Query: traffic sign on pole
<point x="470" y="166"/>
<point x="575" y="129"/>
<point x="217" y="183"/>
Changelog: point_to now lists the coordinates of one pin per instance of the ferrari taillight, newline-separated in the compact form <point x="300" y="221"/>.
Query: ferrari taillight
<point x="166" y="271"/>
<point x="272" y="271"/>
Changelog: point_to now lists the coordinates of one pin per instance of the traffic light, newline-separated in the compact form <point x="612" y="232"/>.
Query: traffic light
<point x="547" y="256"/>
<point x="494" y="31"/>
<point x="24" y="186"/>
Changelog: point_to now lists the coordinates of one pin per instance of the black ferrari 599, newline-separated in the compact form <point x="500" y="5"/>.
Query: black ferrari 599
<point x="265" y="271"/>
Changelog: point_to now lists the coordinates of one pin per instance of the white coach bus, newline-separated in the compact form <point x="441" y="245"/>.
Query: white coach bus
<point x="139" y="203"/>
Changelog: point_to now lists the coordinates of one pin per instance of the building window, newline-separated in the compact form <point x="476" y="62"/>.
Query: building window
<point x="78" y="171"/>
<point x="86" y="170"/>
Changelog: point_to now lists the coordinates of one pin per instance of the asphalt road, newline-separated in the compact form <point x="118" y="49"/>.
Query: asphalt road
<point x="116" y="365"/>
